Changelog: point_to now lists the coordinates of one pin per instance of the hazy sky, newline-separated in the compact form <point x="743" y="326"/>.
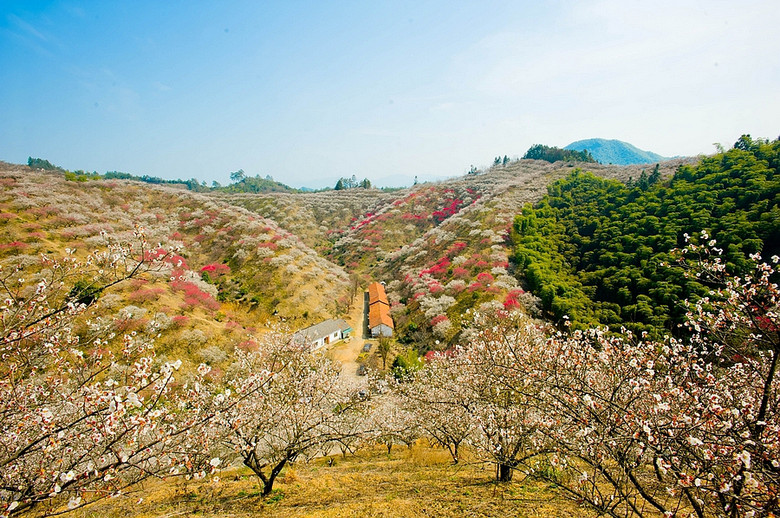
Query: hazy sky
<point x="310" y="91"/>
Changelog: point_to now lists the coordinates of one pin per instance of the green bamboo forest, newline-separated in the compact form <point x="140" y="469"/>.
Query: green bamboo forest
<point x="598" y="251"/>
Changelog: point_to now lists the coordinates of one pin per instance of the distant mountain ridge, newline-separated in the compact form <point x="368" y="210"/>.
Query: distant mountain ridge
<point x="615" y="152"/>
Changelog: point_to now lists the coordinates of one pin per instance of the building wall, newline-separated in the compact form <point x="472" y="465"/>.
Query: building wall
<point x="381" y="330"/>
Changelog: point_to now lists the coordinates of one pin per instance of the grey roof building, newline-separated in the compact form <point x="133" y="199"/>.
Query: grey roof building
<point x="322" y="334"/>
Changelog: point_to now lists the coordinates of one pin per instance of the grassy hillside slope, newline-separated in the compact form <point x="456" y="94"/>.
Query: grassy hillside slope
<point x="227" y="272"/>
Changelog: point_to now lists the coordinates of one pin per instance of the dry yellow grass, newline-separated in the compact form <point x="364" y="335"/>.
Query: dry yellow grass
<point x="408" y="483"/>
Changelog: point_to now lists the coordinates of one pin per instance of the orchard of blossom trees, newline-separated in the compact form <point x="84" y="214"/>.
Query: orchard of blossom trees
<point x="85" y="413"/>
<point x="684" y="426"/>
<point x="88" y="412"/>
<point x="679" y="427"/>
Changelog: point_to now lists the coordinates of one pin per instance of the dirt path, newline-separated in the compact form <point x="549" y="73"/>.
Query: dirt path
<point x="347" y="352"/>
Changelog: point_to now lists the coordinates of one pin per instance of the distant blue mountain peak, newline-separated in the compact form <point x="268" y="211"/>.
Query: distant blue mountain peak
<point x="615" y="152"/>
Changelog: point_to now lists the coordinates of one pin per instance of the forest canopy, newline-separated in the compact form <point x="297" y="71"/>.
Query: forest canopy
<point x="555" y="154"/>
<point x="597" y="250"/>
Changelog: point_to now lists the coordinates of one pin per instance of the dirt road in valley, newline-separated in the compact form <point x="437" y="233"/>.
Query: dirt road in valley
<point x="347" y="352"/>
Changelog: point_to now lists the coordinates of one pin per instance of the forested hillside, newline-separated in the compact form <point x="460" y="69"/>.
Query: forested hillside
<point x="598" y="250"/>
<point x="444" y="248"/>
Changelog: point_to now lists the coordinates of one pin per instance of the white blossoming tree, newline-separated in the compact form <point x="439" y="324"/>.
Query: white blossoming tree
<point x="84" y="413"/>
<point x="440" y="398"/>
<point x="682" y="427"/>
<point x="304" y="407"/>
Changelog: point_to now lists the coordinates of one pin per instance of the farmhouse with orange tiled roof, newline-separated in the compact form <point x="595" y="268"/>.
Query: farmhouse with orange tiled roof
<point x="380" y="323"/>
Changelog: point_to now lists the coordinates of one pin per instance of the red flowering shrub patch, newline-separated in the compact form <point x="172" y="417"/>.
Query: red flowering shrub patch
<point x="438" y="319"/>
<point x="13" y="245"/>
<point x="232" y="325"/>
<point x="472" y="260"/>
<point x="247" y="345"/>
<point x="457" y="287"/>
<point x="193" y="296"/>
<point x="180" y="320"/>
<point x="456" y="248"/>
<point x="447" y="211"/>
<point x="435" y="288"/>
<point x="216" y="269"/>
<point x="460" y="272"/>
<point x="485" y="278"/>
<point x="438" y="269"/>
<point x="511" y="302"/>
<point x="126" y="325"/>
<point x="373" y="235"/>
<point x="147" y="295"/>
<point x="44" y="211"/>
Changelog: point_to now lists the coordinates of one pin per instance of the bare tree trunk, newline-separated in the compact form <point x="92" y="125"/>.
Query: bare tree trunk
<point x="505" y="472"/>
<point x="268" y="480"/>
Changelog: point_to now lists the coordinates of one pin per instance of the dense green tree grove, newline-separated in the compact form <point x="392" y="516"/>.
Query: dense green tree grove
<point x="597" y="250"/>
<point x="253" y="184"/>
<point x="555" y="154"/>
<point x="42" y="163"/>
<point x="352" y="183"/>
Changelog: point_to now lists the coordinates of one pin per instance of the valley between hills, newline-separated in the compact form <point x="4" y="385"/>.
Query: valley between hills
<point x="542" y="361"/>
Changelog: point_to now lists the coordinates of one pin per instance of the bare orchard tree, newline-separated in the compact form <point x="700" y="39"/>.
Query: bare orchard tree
<point x="384" y="348"/>
<point x="84" y="413"/>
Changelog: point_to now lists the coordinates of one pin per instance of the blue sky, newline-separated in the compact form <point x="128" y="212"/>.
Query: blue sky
<point x="311" y="91"/>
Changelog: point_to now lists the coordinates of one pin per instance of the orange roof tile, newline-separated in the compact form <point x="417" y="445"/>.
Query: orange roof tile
<point x="379" y="314"/>
<point x="376" y="293"/>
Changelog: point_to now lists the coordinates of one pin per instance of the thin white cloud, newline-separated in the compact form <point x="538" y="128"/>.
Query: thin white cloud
<point x="162" y="87"/>
<point x="26" y="27"/>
